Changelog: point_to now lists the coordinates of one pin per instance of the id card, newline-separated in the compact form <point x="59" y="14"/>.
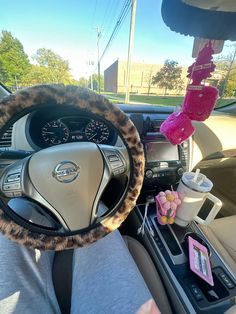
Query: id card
<point x="199" y="260"/>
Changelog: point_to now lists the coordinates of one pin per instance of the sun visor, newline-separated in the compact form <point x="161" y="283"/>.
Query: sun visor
<point x="215" y="5"/>
<point x="215" y="19"/>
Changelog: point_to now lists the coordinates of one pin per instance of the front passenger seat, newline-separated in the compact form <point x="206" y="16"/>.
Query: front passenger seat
<point x="221" y="233"/>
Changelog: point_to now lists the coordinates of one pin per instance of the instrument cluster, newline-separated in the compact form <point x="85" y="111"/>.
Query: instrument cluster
<point x="59" y="129"/>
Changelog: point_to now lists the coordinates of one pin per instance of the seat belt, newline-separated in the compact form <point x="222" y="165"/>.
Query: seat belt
<point x="62" y="279"/>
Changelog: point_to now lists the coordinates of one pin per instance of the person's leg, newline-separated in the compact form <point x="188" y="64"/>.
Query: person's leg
<point x="106" y="279"/>
<point x="25" y="280"/>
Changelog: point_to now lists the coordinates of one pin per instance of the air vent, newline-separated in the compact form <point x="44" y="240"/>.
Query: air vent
<point x="5" y="141"/>
<point x="184" y="154"/>
<point x="156" y="124"/>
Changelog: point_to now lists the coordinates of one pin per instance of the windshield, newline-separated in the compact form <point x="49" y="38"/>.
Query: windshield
<point x="86" y="44"/>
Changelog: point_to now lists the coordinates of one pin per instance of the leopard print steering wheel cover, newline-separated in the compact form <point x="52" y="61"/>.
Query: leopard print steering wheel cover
<point x="87" y="100"/>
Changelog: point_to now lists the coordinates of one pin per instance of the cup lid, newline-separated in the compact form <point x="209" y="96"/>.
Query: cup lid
<point x="201" y="184"/>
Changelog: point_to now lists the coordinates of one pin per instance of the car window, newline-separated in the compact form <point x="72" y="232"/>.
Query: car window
<point x="3" y="91"/>
<point x="86" y="44"/>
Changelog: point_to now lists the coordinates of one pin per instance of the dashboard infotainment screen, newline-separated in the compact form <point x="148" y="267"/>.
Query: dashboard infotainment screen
<point x="161" y="151"/>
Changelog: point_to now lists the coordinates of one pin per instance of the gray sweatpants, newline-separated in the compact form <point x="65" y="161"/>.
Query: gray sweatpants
<point x="105" y="279"/>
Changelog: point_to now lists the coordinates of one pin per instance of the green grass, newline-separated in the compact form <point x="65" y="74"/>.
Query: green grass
<point x="157" y="100"/>
<point x="151" y="99"/>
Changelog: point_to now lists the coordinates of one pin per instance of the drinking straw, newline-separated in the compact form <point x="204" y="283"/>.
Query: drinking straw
<point x="196" y="175"/>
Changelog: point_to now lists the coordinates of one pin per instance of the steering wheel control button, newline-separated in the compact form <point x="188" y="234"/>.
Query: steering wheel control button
<point x="11" y="186"/>
<point x="115" y="161"/>
<point x="66" y="171"/>
<point x="113" y="158"/>
<point x="12" y="189"/>
<point x="17" y="194"/>
<point x="14" y="177"/>
<point x="7" y="187"/>
<point x="9" y="194"/>
<point x="11" y="183"/>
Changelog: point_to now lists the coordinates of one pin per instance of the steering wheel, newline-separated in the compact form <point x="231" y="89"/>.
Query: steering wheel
<point x="57" y="190"/>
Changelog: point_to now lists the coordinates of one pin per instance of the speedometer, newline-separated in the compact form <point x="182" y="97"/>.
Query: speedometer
<point x="97" y="132"/>
<point x="55" y="132"/>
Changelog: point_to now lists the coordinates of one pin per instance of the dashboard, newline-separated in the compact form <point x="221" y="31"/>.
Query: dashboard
<point x="164" y="162"/>
<point x="46" y="127"/>
<point x="50" y="126"/>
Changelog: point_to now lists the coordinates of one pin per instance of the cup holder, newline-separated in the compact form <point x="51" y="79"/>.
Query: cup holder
<point x="196" y="237"/>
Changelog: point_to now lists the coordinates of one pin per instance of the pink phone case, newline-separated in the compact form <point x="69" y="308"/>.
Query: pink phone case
<point x="199" y="260"/>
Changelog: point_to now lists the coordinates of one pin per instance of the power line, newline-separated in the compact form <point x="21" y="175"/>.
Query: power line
<point x="125" y="9"/>
<point x="113" y="9"/>
<point x="108" y="8"/>
<point x="94" y="12"/>
<point x="109" y="19"/>
<point x="131" y="40"/>
<point x="92" y="20"/>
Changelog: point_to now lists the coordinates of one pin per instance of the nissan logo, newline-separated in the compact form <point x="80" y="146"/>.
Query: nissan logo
<point x="66" y="171"/>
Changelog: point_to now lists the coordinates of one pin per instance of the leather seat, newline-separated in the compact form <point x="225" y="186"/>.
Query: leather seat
<point x="222" y="234"/>
<point x="149" y="273"/>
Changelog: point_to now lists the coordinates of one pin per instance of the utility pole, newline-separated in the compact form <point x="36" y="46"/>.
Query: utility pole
<point x="91" y="64"/>
<point x="228" y="72"/>
<point x="99" y="34"/>
<point x="16" y="83"/>
<point x="86" y="79"/>
<point x="91" y="80"/>
<point x="131" y="40"/>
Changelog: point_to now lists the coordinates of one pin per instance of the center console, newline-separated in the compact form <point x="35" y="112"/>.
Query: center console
<point x="168" y="244"/>
<point x="168" y="247"/>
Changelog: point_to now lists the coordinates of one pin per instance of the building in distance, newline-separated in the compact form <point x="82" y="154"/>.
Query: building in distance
<point x="140" y="79"/>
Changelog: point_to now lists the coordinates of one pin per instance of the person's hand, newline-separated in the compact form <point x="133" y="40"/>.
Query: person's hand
<point x="149" y="308"/>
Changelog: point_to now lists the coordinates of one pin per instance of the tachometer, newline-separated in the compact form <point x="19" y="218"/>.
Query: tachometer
<point x="55" y="132"/>
<point x="97" y="132"/>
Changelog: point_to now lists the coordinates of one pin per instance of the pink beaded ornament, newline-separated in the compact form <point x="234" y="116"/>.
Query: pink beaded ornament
<point x="199" y="100"/>
<point x="177" y="128"/>
<point x="203" y="66"/>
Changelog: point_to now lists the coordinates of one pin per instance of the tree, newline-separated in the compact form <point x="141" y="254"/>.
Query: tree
<point x="148" y="79"/>
<point x="226" y="68"/>
<point x="15" y="68"/>
<point x="168" y="76"/>
<point x="54" y="68"/>
<point x="3" y="74"/>
<point x="41" y="75"/>
<point x="83" y="82"/>
<point x="179" y="86"/>
<point x="14" y="62"/>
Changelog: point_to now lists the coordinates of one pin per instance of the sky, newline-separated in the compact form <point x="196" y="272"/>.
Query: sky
<point x="68" y="27"/>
